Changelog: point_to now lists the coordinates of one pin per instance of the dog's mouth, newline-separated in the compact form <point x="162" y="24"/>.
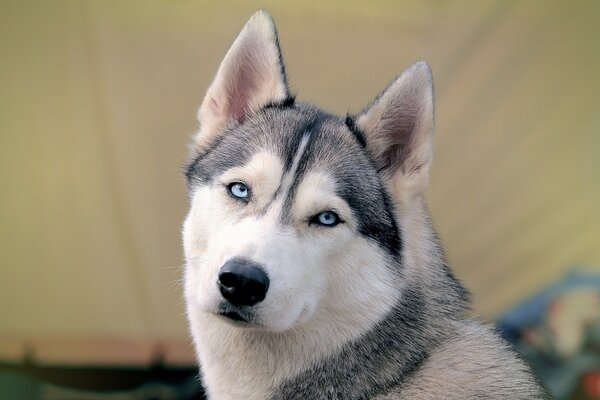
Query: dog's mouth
<point x="234" y="314"/>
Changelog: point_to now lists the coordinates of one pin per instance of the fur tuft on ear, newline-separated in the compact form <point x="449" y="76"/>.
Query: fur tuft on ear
<point x="399" y="128"/>
<point x="250" y="76"/>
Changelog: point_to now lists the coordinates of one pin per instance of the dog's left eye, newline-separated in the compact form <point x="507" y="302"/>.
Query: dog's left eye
<point x="326" y="218"/>
<point x="239" y="190"/>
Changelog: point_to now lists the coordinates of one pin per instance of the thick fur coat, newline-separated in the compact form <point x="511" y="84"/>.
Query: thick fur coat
<point x="339" y="287"/>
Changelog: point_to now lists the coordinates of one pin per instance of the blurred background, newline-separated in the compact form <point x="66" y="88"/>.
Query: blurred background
<point x="97" y="103"/>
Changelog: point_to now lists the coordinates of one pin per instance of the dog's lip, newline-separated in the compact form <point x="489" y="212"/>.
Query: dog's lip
<point x="233" y="315"/>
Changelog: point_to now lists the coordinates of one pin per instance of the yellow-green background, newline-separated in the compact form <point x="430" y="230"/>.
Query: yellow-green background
<point x="98" y="100"/>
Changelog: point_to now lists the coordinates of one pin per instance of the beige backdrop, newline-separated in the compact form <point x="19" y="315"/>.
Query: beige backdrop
<point x="98" y="99"/>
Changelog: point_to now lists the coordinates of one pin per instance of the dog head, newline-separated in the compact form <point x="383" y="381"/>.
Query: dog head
<point x="294" y="212"/>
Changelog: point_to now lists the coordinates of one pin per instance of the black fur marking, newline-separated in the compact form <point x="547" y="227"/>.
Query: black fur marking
<point x="389" y="236"/>
<point x="382" y="228"/>
<point x="394" y="235"/>
<point x="288" y="102"/>
<point x="356" y="181"/>
<point x="313" y="130"/>
<point x="358" y="134"/>
<point x="295" y="139"/>
<point x="329" y="148"/>
<point x="282" y="70"/>
<point x="373" y="364"/>
<point x="307" y="127"/>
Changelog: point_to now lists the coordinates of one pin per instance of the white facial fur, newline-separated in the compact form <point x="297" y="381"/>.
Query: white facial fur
<point x="301" y="260"/>
<point x="327" y="285"/>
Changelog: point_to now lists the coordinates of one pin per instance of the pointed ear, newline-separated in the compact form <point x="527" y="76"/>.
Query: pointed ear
<point x="399" y="128"/>
<point x="250" y="76"/>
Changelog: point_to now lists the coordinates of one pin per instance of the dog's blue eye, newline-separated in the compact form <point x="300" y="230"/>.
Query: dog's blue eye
<point x="326" y="218"/>
<point x="239" y="190"/>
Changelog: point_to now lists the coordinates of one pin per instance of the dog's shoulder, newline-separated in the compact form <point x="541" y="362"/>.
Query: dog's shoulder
<point x="475" y="363"/>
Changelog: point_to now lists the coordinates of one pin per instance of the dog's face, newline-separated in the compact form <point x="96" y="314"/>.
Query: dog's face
<point x="293" y="211"/>
<point x="289" y="193"/>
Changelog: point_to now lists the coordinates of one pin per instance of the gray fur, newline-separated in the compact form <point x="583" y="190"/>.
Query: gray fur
<point x="332" y="147"/>
<point x="424" y="347"/>
<point x="395" y="360"/>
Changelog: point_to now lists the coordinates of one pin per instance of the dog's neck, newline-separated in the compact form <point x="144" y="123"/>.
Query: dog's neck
<point x="425" y="315"/>
<point x="368" y="366"/>
<point x="303" y="364"/>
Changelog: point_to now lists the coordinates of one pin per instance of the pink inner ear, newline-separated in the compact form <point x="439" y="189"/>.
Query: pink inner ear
<point x="397" y="130"/>
<point x="235" y="107"/>
<point x="248" y="78"/>
<point x="214" y="107"/>
<point x="245" y="83"/>
<point x="239" y="106"/>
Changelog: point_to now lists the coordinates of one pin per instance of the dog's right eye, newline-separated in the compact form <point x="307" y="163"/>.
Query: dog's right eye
<point x="328" y="219"/>
<point x="239" y="191"/>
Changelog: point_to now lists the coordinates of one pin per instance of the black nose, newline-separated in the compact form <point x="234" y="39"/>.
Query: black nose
<point x="242" y="282"/>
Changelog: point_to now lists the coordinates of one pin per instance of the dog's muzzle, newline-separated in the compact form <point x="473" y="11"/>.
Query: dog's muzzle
<point x="242" y="282"/>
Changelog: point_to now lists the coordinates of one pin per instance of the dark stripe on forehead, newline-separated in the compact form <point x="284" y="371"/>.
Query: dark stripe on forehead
<point x="313" y="132"/>
<point x="307" y="126"/>
<point x="289" y="149"/>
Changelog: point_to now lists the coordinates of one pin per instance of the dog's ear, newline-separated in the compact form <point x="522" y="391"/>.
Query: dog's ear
<point x="399" y="128"/>
<point x="250" y="76"/>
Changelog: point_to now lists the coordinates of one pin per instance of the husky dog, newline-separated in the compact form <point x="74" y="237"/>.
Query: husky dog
<point x="312" y="268"/>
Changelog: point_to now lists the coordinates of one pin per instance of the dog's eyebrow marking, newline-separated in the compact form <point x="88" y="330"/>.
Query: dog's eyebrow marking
<point x="288" y="178"/>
